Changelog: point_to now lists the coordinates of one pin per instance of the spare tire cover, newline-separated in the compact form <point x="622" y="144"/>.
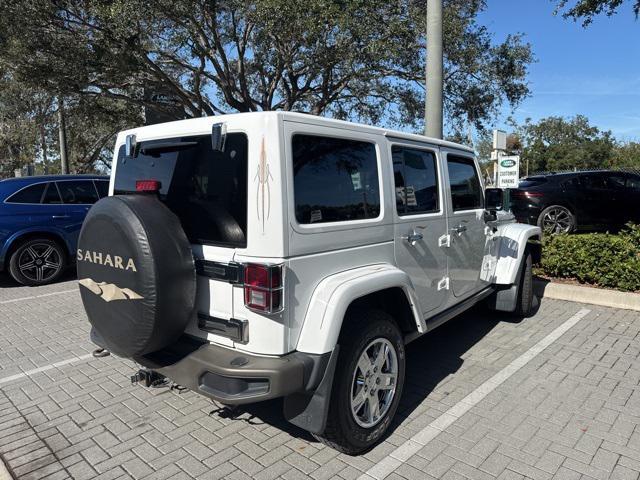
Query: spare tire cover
<point x="136" y="273"/>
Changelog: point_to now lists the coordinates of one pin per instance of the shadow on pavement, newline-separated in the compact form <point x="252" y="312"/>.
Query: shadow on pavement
<point x="430" y="359"/>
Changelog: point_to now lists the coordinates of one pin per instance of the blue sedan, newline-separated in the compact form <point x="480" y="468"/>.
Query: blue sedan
<point x="40" y="220"/>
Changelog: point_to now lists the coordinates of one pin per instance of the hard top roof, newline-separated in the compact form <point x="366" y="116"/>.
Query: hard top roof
<point x="199" y="123"/>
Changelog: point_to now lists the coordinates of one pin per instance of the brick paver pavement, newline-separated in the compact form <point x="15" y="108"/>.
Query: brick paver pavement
<point x="571" y="412"/>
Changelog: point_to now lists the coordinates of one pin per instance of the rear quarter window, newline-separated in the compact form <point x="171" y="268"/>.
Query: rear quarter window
<point x="30" y="194"/>
<point x="335" y="179"/>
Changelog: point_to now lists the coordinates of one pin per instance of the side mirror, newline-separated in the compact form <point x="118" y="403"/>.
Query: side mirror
<point x="130" y="145"/>
<point x="218" y="136"/>
<point x="493" y="198"/>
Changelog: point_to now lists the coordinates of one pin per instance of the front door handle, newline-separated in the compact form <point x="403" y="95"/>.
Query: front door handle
<point x="460" y="229"/>
<point x="59" y="216"/>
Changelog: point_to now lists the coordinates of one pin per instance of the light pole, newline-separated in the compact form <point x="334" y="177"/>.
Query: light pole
<point x="434" y="81"/>
<point x="64" y="163"/>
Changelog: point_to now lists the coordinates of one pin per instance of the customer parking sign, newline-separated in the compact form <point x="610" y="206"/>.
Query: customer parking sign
<point x="508" y="171"/>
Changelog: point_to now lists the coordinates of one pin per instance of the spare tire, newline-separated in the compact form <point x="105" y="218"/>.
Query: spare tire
<point x="136" y="273"/>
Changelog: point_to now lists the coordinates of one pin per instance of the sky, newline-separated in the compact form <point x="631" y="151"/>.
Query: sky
<point x="594" y="71"/>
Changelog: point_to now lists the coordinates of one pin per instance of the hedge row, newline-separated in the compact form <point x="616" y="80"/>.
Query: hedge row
<point x="602" y="259"/>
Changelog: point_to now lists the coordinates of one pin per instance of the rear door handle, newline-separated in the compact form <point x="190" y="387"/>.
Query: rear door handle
<point x="60" y="216"/>
<point x="414" y="236"/>
<point x="460" y="229"/>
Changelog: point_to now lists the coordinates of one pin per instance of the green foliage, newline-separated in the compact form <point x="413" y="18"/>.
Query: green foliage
<point x="356" y="59"/>
<point x="556" y="143"/>
<point x="602" y="259"/>
<point x="587" y="9"/>
<point x="626" y="155"/>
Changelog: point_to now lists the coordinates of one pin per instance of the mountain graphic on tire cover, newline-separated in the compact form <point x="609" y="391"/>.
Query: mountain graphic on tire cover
<point x="109" y="291"/>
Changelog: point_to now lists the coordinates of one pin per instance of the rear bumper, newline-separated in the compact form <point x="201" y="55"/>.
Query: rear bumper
<point x="234" y="377"/>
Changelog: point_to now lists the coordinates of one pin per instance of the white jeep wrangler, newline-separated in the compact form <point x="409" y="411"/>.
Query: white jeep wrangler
<point x="274" y="254"/>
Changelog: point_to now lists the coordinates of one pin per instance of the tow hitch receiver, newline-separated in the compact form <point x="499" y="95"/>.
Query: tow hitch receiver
<point x="148" y="378"/>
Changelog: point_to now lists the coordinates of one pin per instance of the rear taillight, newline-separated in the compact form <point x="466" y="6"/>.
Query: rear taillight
<point x="147" y="185"/>
<point x="263" y="287"/>
<point x="525" y="194"/>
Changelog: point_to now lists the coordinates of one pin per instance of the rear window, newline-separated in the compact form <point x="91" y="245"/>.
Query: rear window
<point x="206" y="189"/>
<point x="335" y="179"/>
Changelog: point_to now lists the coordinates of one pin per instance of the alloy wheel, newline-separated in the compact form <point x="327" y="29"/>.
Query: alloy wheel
<point x="374" y="382"/>
<point x="40" y="262"/>
<point x="557" y="220"/>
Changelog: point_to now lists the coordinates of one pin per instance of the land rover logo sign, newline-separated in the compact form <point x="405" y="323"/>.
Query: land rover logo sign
<point x="508" y="163"/>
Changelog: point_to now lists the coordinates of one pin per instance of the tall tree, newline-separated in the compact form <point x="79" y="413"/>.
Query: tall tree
<point x="354" y="59"/>
<point x="586" y="10"/>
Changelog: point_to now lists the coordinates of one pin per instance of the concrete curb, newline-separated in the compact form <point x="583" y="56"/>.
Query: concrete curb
<point x="580" y="294"/>
<point x="4" y="473"/>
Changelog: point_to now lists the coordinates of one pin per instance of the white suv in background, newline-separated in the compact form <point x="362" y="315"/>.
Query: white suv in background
<point x="274" y="254"/>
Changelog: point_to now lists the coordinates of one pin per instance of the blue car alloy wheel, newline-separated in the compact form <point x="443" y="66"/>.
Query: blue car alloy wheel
<point x="37" y="262"/>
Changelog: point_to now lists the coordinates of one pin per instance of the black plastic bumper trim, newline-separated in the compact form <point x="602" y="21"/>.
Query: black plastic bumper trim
<point x="234" y="377"/>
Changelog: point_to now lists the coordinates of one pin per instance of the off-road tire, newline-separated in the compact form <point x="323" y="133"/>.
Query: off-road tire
<point x="342" y="432"/>
<point x="524" y="302"/>
<point x="51" y="275"/>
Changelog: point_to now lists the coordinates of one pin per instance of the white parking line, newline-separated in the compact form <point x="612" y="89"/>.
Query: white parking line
<point x="409" y="448"/>
<point x="28" y="373"/>
<point x="13" y="300"/>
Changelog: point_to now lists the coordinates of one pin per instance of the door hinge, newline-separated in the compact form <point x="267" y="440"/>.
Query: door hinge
<point x="444" y="241"/>
<point x="443" y="284"/>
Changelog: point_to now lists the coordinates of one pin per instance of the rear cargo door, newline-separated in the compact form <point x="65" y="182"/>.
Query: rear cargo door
<point x="207" y="190"/>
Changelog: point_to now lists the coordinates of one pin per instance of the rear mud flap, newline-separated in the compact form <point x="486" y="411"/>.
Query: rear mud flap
<point x="309" y="410"/>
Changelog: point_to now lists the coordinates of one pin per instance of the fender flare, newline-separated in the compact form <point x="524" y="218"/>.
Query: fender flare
<point x="513" y="238"/>
<point x="333" y="295"/>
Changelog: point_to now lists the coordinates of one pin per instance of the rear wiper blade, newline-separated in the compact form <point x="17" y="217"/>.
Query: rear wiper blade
<point x="166" y="147"/>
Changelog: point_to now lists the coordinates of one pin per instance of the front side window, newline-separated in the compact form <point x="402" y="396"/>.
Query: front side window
<point x="206" y="189"/>
<point x="466" y="190"/>
<point x="31" y="194"/>
<point x="78" y="192"/>
<point x="335" y="179"/>
<point x="416" y="180"/>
